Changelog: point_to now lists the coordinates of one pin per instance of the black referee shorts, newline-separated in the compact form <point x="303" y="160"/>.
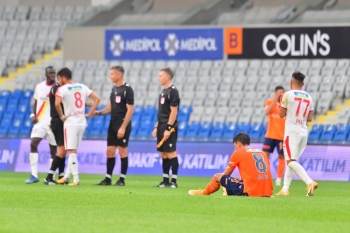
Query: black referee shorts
<point x="112" y="139"/>
<point x="57" y="130"/>
<point x="170" y="144"/>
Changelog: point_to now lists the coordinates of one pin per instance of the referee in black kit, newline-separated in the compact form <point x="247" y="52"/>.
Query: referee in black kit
<point x="121" y="107"/>
<point x="168" y="107"/>
<point x="57" y="130"/>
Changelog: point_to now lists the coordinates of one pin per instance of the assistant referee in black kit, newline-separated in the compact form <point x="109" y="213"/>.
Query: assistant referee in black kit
<point x="121" y="107"/>
<point x="168" y="107"/>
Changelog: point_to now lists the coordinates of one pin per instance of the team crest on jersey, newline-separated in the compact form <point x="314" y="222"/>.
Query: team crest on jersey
<point x="162" y="100"/>
<point x="117" y="99"/>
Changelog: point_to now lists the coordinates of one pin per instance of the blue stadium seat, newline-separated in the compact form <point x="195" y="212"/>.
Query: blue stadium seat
<point x="144" y="130"/>
<point x="17" y="94"/>
<point x="182" y="118"/>
<point x="181" y="130"/>
<point x="98" y="123"/>
<point x="315" y="133"/>
<point x="328" y="134"/>
<point x="27" y="123"/>
<point x="217" y="131"/>
<point x="192" y="131"/>
<point x="3" y="131"/>
<point x="257" y="132"/>
<point x="149" y="114"/>
<point x="342" y="134"/>
<point x="205" y="131"/>
<point x="230" y="131"/>
<point x="24" y="132"/>
<point x="5" y="94"/>
<point x="3" y="104"/>
<point x="184" y="113"/>
<point x="135" y="126"/>
<point x="244" y="127"/>
<point x="13" y="132"/>
<point x="23" y="107"/>
<point x="5" y="122"/>
<point x="28" y="94"/>
<point x="94" y="133"/>
<point x="12" y="105"/>
<point x="138" y="110"/>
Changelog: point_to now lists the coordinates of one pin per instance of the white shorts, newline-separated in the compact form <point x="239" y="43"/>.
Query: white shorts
<point x="73" y="135"/>
<point x="43" y="131"/>
<point x="293" y="147"/>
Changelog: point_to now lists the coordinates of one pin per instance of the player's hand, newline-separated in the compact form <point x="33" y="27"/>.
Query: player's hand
<point x="34" y="120"/>
<point x="121" y="132"/>
<point x="88" y="104"/>
<point x="87" y="116"/>
<point x="154" y="132"/>
<point x="166" y="134"/>
<point x="64" y="118"/>
<point x="96" y="113"/>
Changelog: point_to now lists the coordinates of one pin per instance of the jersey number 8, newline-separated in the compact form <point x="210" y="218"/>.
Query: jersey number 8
<point x="78" y="100"/>
<point x="259" y="163"/>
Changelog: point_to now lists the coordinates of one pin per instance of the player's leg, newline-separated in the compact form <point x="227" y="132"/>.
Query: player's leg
<point x="281" y="162"/>
<point x="37" y="134"/>
<point x="112" y="143"/>
<point x="123" y="153"/>
<point x="212" y="186"/>
<point x="298" y="169"/>
<point x="232" y="186"/>
<point x="268" y="146"/>
<point x="288" y="175"/>
<point x="165" y="160"/>
<point x="173" y="160"/>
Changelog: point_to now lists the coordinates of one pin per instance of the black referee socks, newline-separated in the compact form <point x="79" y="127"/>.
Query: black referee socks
<point x="124" y="168"/>
<point x="174" y="168"/>
<point x="110" y="166"/>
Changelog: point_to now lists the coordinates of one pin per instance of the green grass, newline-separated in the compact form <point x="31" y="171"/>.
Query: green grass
<point x="138" y="207"/>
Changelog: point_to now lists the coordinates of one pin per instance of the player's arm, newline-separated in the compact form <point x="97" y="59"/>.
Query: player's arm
<point x="283" y="108"/>
<point x="96" y="100"/>
<point x="310" y="116"/>
<point x="33" y="114"/>
<point x="129" y="106"/>
<point x="270" y="104"/>
<point x="234" y="160"/>
<point x="104" y="111"/>
<point x="174" y="102"/>
<point x="58" y="107"/>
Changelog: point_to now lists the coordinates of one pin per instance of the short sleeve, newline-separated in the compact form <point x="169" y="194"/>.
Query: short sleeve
<point x="174" y="98"/>
<point x="284" y="100"/>
<point x="87" y="91"/>
<point x="311" y="105"/>
<point x="59" y="92"/>
<point x="36" y="97"/>
<point x="268" y="102"/>
<point x="234" y="160"/>
<point x="129" y="96"/>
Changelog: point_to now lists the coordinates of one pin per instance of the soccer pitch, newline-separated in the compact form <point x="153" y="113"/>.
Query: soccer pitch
<point x="139" y="207"/>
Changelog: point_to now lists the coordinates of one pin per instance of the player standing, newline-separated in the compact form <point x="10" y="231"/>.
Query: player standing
<point x="57" y="129"/>
<point x="121" y="106"/>
<point x="73" y="96"/>
<point x="253" y="166"/>
<point x="297" y="107"/>
<point x="168" y="106"/>
<point x="41" y="120"/>
<point x="275" y="131"/>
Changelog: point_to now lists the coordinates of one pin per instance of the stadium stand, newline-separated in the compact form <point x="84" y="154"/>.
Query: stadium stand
<point x="27" y="32"/>
<point x="219" y="98"/>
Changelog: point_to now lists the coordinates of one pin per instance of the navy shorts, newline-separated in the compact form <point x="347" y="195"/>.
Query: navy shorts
<point x="270" y="144"/>
<point x="234" y="187"/>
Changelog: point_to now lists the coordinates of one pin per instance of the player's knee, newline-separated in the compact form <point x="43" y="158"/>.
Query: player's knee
<point x="217" y="177"/>
<point x="34" y="145"/>
<point x="110" y="152"/>
<point x="123" y="152"/>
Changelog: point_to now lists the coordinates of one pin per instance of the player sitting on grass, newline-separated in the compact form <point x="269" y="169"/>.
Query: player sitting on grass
<point x="254" y="167"/>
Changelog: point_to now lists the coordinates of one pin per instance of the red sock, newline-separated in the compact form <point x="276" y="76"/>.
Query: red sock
<point x="280" y="168"/>
<point x="212" y="187"/>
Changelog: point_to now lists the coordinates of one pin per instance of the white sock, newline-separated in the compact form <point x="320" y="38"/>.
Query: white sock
<point x="50" y="170"/>
<point x="33" y="159"/>
<point x="288" y="176"/>
<point x="300" y="171"/>
<point x="68" y="172"/>
<point x="73" y="161"/>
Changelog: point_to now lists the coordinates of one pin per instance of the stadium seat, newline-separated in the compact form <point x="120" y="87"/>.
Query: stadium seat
<point x="230" y="131"/>
<point x="341" y="135"/>
<point x="244" y="127"/>
<point x="94" y="133"/>
<point x="17" y="94"/>
<point x="98" y="123"/>
<point x="205" y="131"/>
<point x="12" y="104"/>
<point x="217" y="131"/>
<point x="192" y="131"/>
<point x="145" y="129"/>
<point x="328" y="134"/>
<point x="24" y="132"/>
<point x="3" y="131"/>
<point x="257" y="132"/>
<point x="182" y="127"/>
<point x="315" y="133"/>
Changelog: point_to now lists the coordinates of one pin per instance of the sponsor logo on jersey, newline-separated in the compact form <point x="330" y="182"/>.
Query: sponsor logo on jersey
<point x="117" y="99"/>
<point x="301" y="94"/>
<point x="253" y="150"/>
<point x="75" y="88"/>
